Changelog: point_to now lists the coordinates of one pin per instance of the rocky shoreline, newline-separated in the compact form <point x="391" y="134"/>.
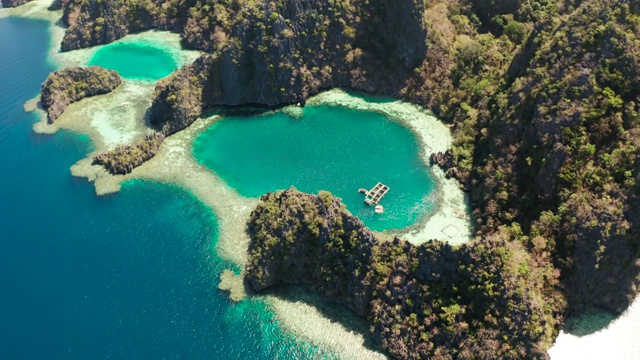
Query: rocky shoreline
<point x="13" y="3"/>
<point x="238" y="72"/>
<point x="124" y="158"/>
<point x="72" y="84"/>
<point x="446" y="161"/>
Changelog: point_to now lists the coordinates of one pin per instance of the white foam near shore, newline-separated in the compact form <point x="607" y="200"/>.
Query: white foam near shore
<point x="618" y="341"/>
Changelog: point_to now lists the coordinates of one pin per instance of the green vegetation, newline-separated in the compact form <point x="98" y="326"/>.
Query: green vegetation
<point x="557" y="152"/>
<point x="428" y="301"/>
<point x="124" y="158"/>
<point x="72" y="84"/>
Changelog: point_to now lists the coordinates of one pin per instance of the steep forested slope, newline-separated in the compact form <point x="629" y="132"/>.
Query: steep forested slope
<point x="433" y="301"/>
<point x="559" y="155"/>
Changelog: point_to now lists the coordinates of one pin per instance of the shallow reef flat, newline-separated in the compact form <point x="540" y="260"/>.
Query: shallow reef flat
<point x="174" y="163"/>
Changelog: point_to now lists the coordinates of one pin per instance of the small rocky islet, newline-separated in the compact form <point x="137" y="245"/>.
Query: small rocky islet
<point x="546" y="142"/>
<point x="73" y="84"/>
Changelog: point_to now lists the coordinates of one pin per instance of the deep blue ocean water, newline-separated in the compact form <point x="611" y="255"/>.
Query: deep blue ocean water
<point x="127" y="276"/>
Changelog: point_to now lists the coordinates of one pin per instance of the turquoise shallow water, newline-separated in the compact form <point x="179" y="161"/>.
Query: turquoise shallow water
<point x="128" y="276"/>
<point x="329" y="148"/>
<point x="135" y="60"/>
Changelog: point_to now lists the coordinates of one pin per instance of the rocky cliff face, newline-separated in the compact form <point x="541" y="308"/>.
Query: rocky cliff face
<point x="323" y="246"/>
<point x="13" y="3"/>
<point x="283" y="52"/>
<point x="98" y="22"/>
<point x="72" y="84"/>
<point x="446" y="161"/>
<point x="264" y="52"/>
<point x="427" y="301"/>
<point x="123" y="159"/>
<point x="560" y="155"/>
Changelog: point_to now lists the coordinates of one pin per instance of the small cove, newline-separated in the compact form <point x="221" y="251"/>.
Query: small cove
<point x="329" y="148"/>
<point x="136" y="60"/>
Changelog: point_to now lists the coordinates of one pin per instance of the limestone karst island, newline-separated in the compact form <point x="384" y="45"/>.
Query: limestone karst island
<point x="320" y="179"/>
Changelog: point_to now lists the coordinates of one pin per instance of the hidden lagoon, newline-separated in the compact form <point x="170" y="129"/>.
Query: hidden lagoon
<point x="136" y="60"/>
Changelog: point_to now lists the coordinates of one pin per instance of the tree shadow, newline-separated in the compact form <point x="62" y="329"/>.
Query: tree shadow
<point x="331" y="310"/>
<point x="589" y="322"/>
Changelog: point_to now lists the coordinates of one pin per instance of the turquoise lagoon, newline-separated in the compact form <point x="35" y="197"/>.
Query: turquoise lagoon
<point x="128" y="276"/>
<point x="136" y="60"/>
<point x="329" y="148"/>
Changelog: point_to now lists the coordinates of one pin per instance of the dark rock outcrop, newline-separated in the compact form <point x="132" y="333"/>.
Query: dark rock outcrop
<point x="427" y="301"/>
<point x="123" y="159"/>
<point x="317" y="242"/>
<point x="13" y="3"/>
<point x="445" y="160"/>
<point x="72" y="84"/>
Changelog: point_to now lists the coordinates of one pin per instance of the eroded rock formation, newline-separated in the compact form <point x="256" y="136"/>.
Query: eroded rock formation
<point x="123" y="159"/>
<point x="283" y="52"/>
<point x="72" y="84"/>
